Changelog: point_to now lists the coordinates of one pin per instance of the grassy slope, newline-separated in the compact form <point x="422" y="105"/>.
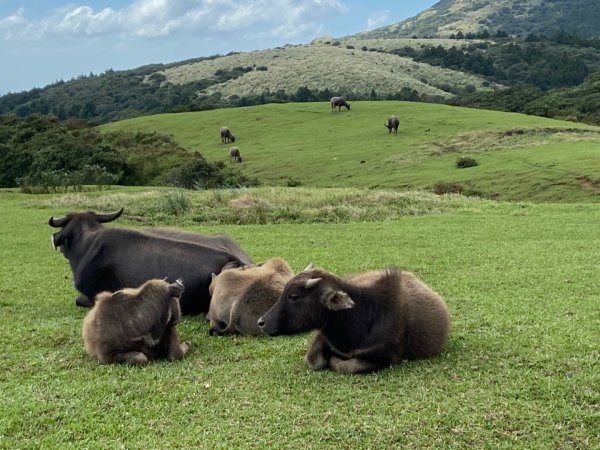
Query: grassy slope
<point x="307" y="142"/>
<point x="341" y="70"/>
<point x="520" y="371"/>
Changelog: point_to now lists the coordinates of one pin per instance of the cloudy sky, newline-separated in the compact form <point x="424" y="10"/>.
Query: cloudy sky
<point x="42" y="41"/>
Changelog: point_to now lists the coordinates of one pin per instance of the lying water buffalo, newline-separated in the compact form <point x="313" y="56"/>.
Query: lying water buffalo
<point x="109" y="259"/>
<point x="392" y="124"/>
<point x="239" y="296"/>
<point x="365" y="321"/>
<point x="134" y="326"/>
<point x="339" y="102"/>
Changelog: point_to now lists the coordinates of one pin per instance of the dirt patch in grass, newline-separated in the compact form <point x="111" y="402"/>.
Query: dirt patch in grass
<point x="589" y="183"/>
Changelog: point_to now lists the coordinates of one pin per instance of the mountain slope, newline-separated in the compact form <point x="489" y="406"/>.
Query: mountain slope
<point x="515" y="17"/>
<point x="341" y="70"/>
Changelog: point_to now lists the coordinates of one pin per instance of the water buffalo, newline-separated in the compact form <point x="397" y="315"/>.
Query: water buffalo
<point x="226" y="135"/>
<point x="235" y="155"/>
<point x="339" y="102"/>
<point x="137" y="325"/>
<point x="109" y="259"/>
<point x="392" y="124"/>
<point x="239" y="296"/>
<point x="365" y="321"/>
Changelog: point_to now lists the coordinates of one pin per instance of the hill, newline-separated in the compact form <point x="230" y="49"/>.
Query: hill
<point x="520" y="157"/>
<point x="515" y="17"/>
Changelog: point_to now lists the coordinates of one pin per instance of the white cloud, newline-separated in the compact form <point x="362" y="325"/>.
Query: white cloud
<point x="156" y="18"/>
<point x="377" y="18"/>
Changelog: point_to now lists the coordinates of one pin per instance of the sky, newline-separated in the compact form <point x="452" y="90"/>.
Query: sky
<point x="43" y="41"/>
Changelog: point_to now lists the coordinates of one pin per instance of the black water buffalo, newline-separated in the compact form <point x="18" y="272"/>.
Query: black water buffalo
<point x="365" y="321"/>
<point x="226" y="135"/>
<point x="235" y="155"/>
<point x="135" y="326"/>
<point x="109" y="259"/>
<point x="239" y="296"/>
<point x="339" y="102"/>
<point x="392" y="124"/>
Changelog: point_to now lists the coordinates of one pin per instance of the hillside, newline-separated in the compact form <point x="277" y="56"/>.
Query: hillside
<point x="520" y="157"/>
<point x="341" y="70"/>
<point x="515" y="17"/>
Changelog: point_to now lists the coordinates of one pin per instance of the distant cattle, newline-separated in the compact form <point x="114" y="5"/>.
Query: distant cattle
<point x="366" y="321"/>
<point x="134" y="326"/>
<point x="392" y="124"/>
<point x="235" y="155"/>
<point x="339" y="102"/>
<point x="226" y="135"/>
<point x="109" y="259"/>
<point x="241" y="295"/>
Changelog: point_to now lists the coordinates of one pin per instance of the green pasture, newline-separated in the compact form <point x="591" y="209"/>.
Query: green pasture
<point x="520" y="157"/>
<point x="521" y="279"/>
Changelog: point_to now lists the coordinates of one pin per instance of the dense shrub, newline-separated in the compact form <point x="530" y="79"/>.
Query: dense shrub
<point x="466" y="161"/>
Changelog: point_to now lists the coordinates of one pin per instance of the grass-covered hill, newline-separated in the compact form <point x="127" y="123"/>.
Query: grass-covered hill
<point x="345" y="70"/>
<point x="519" y="157"/>
<point x="515" y="17"/>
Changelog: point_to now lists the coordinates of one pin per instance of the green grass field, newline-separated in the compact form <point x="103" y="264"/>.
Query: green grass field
<point x="521" y="369"/>
<point x="520" y="157"/>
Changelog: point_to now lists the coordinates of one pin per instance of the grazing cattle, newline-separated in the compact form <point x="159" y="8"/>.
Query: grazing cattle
<point x="109" y="259"/>
<point x="235" y="155"/>
<point x="135" y="326"/>
<point x="392" y="124"/>
<point x="226" y="135"/>
<point x="239" y="296"/>
<point x="365" y="321"/>
<point x="339" y="102"/>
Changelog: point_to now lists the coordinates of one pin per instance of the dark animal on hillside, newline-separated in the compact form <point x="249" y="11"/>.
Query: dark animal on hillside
<point x="235" y="155"/>
<point x="239" y="296"/>
<point x="339" y="102"/>
<point x="366" y="321"/>
<point x="226" y="135"/>
<point x="109" y="259"/>
<point x="392" y="124"/>
<point x="134" y="326"/>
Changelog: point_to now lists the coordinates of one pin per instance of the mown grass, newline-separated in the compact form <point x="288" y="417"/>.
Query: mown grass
<point x="520" y="370"/>
<point x="520" y="157"/>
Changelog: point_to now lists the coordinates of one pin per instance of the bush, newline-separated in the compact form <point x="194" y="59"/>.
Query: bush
<point x="175" y="203"/>
<point x="466" y="161"/>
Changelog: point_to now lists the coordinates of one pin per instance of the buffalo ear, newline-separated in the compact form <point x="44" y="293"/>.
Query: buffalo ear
<point x="176" y="289"/>
<point x="336" y="300"/>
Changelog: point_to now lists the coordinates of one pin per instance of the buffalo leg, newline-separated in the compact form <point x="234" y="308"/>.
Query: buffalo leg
<point x="353" y="365"/>
<point x="83" y="300"/>
<point x="132" y="358"/>
<point x="176" y="349"/>
<point x="318" y="354"/>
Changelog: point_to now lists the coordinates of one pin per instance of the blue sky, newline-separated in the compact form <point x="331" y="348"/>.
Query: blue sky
<point x="48" y="40"/>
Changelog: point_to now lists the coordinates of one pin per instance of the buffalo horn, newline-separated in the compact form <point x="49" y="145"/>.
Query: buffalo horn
<point x="311" y="266"/>
<point x="312" y="282"/>
<point x="108" y="217"/>
<point x="57" y="223"/>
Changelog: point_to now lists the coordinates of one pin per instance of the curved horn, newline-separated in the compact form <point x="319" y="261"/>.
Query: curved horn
<point x="311" y="266"/>
<point x="312" y="282"/>
<point x="60" y="222"/>
<point x="108" y="217"/>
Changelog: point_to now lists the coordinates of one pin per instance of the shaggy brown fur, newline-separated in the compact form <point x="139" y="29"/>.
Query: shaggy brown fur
<point x="241" y="295"/>
<point x="135" y="326"/>
<point x="366" y="321"/>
